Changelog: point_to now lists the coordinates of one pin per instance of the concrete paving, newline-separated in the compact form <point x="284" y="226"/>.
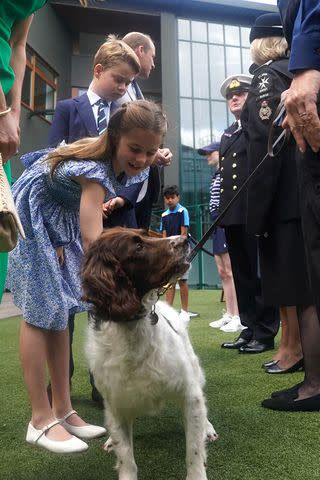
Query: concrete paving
<point x="7" y="308"/>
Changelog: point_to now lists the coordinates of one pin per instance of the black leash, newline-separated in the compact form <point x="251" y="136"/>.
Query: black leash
<point x="274" y="148"/>
<point x="194" y="241"/>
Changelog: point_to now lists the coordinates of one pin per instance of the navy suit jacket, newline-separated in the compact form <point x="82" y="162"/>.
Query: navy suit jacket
<point x="301" y="23"/>
<point x="73" y="119"/>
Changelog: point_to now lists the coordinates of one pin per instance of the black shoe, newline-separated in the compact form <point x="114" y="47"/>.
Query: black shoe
<point x="256" y="347"/>
<point x="287" y="392"/>
<point x="269" y="364"/>
<point x="276" y="369"/>
<point x="289" y="404"/>
<point x="236" y="344"/>
<point x="96" y="396"/>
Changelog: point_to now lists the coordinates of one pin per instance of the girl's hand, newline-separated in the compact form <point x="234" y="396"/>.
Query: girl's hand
<point x="111" y="205"/>
<point x="60" y="255"/>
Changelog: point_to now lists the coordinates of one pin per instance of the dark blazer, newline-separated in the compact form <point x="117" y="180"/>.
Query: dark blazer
<point x="234" y="170"/>
<point x="73" y="119"/>
<point x="273" y="192"/>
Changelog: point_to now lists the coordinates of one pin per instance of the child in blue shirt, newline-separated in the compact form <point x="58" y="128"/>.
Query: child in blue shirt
<point x="175" y="221"/>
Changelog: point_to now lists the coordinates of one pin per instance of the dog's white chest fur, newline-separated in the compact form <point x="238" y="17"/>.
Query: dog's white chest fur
<point x="138" y="365"/>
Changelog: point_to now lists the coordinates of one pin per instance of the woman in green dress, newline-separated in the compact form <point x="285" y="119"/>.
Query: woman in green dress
<point x="16" y="17"/>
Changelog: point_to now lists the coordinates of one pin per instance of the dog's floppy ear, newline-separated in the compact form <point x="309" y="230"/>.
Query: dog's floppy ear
<point x="107" y="287"/>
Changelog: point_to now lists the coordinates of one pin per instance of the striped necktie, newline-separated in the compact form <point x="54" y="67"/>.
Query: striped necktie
<point x="102" y="120"/>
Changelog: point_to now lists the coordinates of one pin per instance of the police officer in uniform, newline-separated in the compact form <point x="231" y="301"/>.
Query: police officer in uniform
<point x="261" y="322"/>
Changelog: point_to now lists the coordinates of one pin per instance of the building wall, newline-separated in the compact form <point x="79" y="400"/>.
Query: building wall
<point x="50" y="40"/>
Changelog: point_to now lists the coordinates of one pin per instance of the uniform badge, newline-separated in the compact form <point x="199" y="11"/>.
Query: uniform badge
<point x="265" y="111"/>
<point x="264" y="83"/>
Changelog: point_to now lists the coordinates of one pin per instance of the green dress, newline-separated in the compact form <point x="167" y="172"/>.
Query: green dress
<point x="11" y="11"/>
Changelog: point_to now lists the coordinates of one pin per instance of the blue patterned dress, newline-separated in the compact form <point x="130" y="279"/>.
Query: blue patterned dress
<point x="49" y="210"/>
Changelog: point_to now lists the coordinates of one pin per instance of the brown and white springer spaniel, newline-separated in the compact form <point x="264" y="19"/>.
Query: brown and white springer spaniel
<point x="138" y="349"/>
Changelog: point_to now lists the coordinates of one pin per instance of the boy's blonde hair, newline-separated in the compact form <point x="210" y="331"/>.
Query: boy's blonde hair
<point x="140" y="114"/>
<point x="268" y="48"/>
<point x="115" y="51"/>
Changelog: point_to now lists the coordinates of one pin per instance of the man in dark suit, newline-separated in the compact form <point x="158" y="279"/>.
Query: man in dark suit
<point x="261" y="322"/>
<point x="144" y="48"/>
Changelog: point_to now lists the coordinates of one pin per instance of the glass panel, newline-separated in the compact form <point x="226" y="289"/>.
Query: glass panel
<point x="232" y="35"/>
<point x="49" y="73"/>
<point x="187" y="173"/>
<point x="217" y="69"/>
<point x="186" y="117"/>
<point x="200" y="70"/>
<point x="199" y="31"/>
<point x="202" y="123"/>
<point x="246" y="60"/>
<point x="233" y="60"/>
<point x="184" y="29"/>
<point x="245" y="36"/>
<point x="26" y="88"/>
<point x="44" y="96"/>
<point x="185" y="81"/>
<point x="215" y="33"/>
<point x="219" y="119"/>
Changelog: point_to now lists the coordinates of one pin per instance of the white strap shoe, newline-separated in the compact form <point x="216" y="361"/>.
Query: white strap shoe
<point x="224" y="320"/>
<point x="37" y="437"/>
<point x="86" y="431"/>
<point x="233" y="326"/>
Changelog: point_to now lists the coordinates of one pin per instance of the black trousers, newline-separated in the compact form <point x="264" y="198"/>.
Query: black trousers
<point x="309" y="185"/>
<point x="262" y="321"/>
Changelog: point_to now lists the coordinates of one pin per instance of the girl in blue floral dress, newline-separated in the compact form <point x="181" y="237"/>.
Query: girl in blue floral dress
<point x="59" y="198"/>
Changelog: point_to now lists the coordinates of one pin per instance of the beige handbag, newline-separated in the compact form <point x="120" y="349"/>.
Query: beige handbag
<point x="9" y="219"/>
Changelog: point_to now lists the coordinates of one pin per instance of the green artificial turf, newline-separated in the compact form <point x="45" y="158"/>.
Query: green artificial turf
<point x="254" y="444"/>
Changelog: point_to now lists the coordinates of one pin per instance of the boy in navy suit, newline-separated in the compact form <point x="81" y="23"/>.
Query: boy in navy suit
<point x="114" y="67"/>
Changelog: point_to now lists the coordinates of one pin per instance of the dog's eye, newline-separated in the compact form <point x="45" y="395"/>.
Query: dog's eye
<point x="139" y="247"/>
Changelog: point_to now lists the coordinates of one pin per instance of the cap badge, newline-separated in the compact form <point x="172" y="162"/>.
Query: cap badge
<point x="234" y="83"/>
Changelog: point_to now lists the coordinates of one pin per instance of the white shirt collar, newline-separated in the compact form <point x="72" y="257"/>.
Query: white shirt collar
<point x="94" y="97"/>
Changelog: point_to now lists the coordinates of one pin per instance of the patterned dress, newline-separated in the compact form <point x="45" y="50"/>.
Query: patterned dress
<point x="49" y="210"/>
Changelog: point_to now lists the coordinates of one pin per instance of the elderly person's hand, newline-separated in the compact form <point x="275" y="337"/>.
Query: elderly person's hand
<point x="300" y="102"/>
<point x="163" y="157"/>
<point x="9" y="136"/>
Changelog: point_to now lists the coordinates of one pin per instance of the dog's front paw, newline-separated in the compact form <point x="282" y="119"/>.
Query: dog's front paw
<point x="108" y="446"/>
<point x="212" y="435"/>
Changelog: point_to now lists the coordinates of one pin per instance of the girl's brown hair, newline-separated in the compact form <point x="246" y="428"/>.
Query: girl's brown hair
<point x="139" y="114"/>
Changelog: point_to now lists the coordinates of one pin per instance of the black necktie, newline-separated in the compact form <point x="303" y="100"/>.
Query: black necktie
<point x="137" y="90"/>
